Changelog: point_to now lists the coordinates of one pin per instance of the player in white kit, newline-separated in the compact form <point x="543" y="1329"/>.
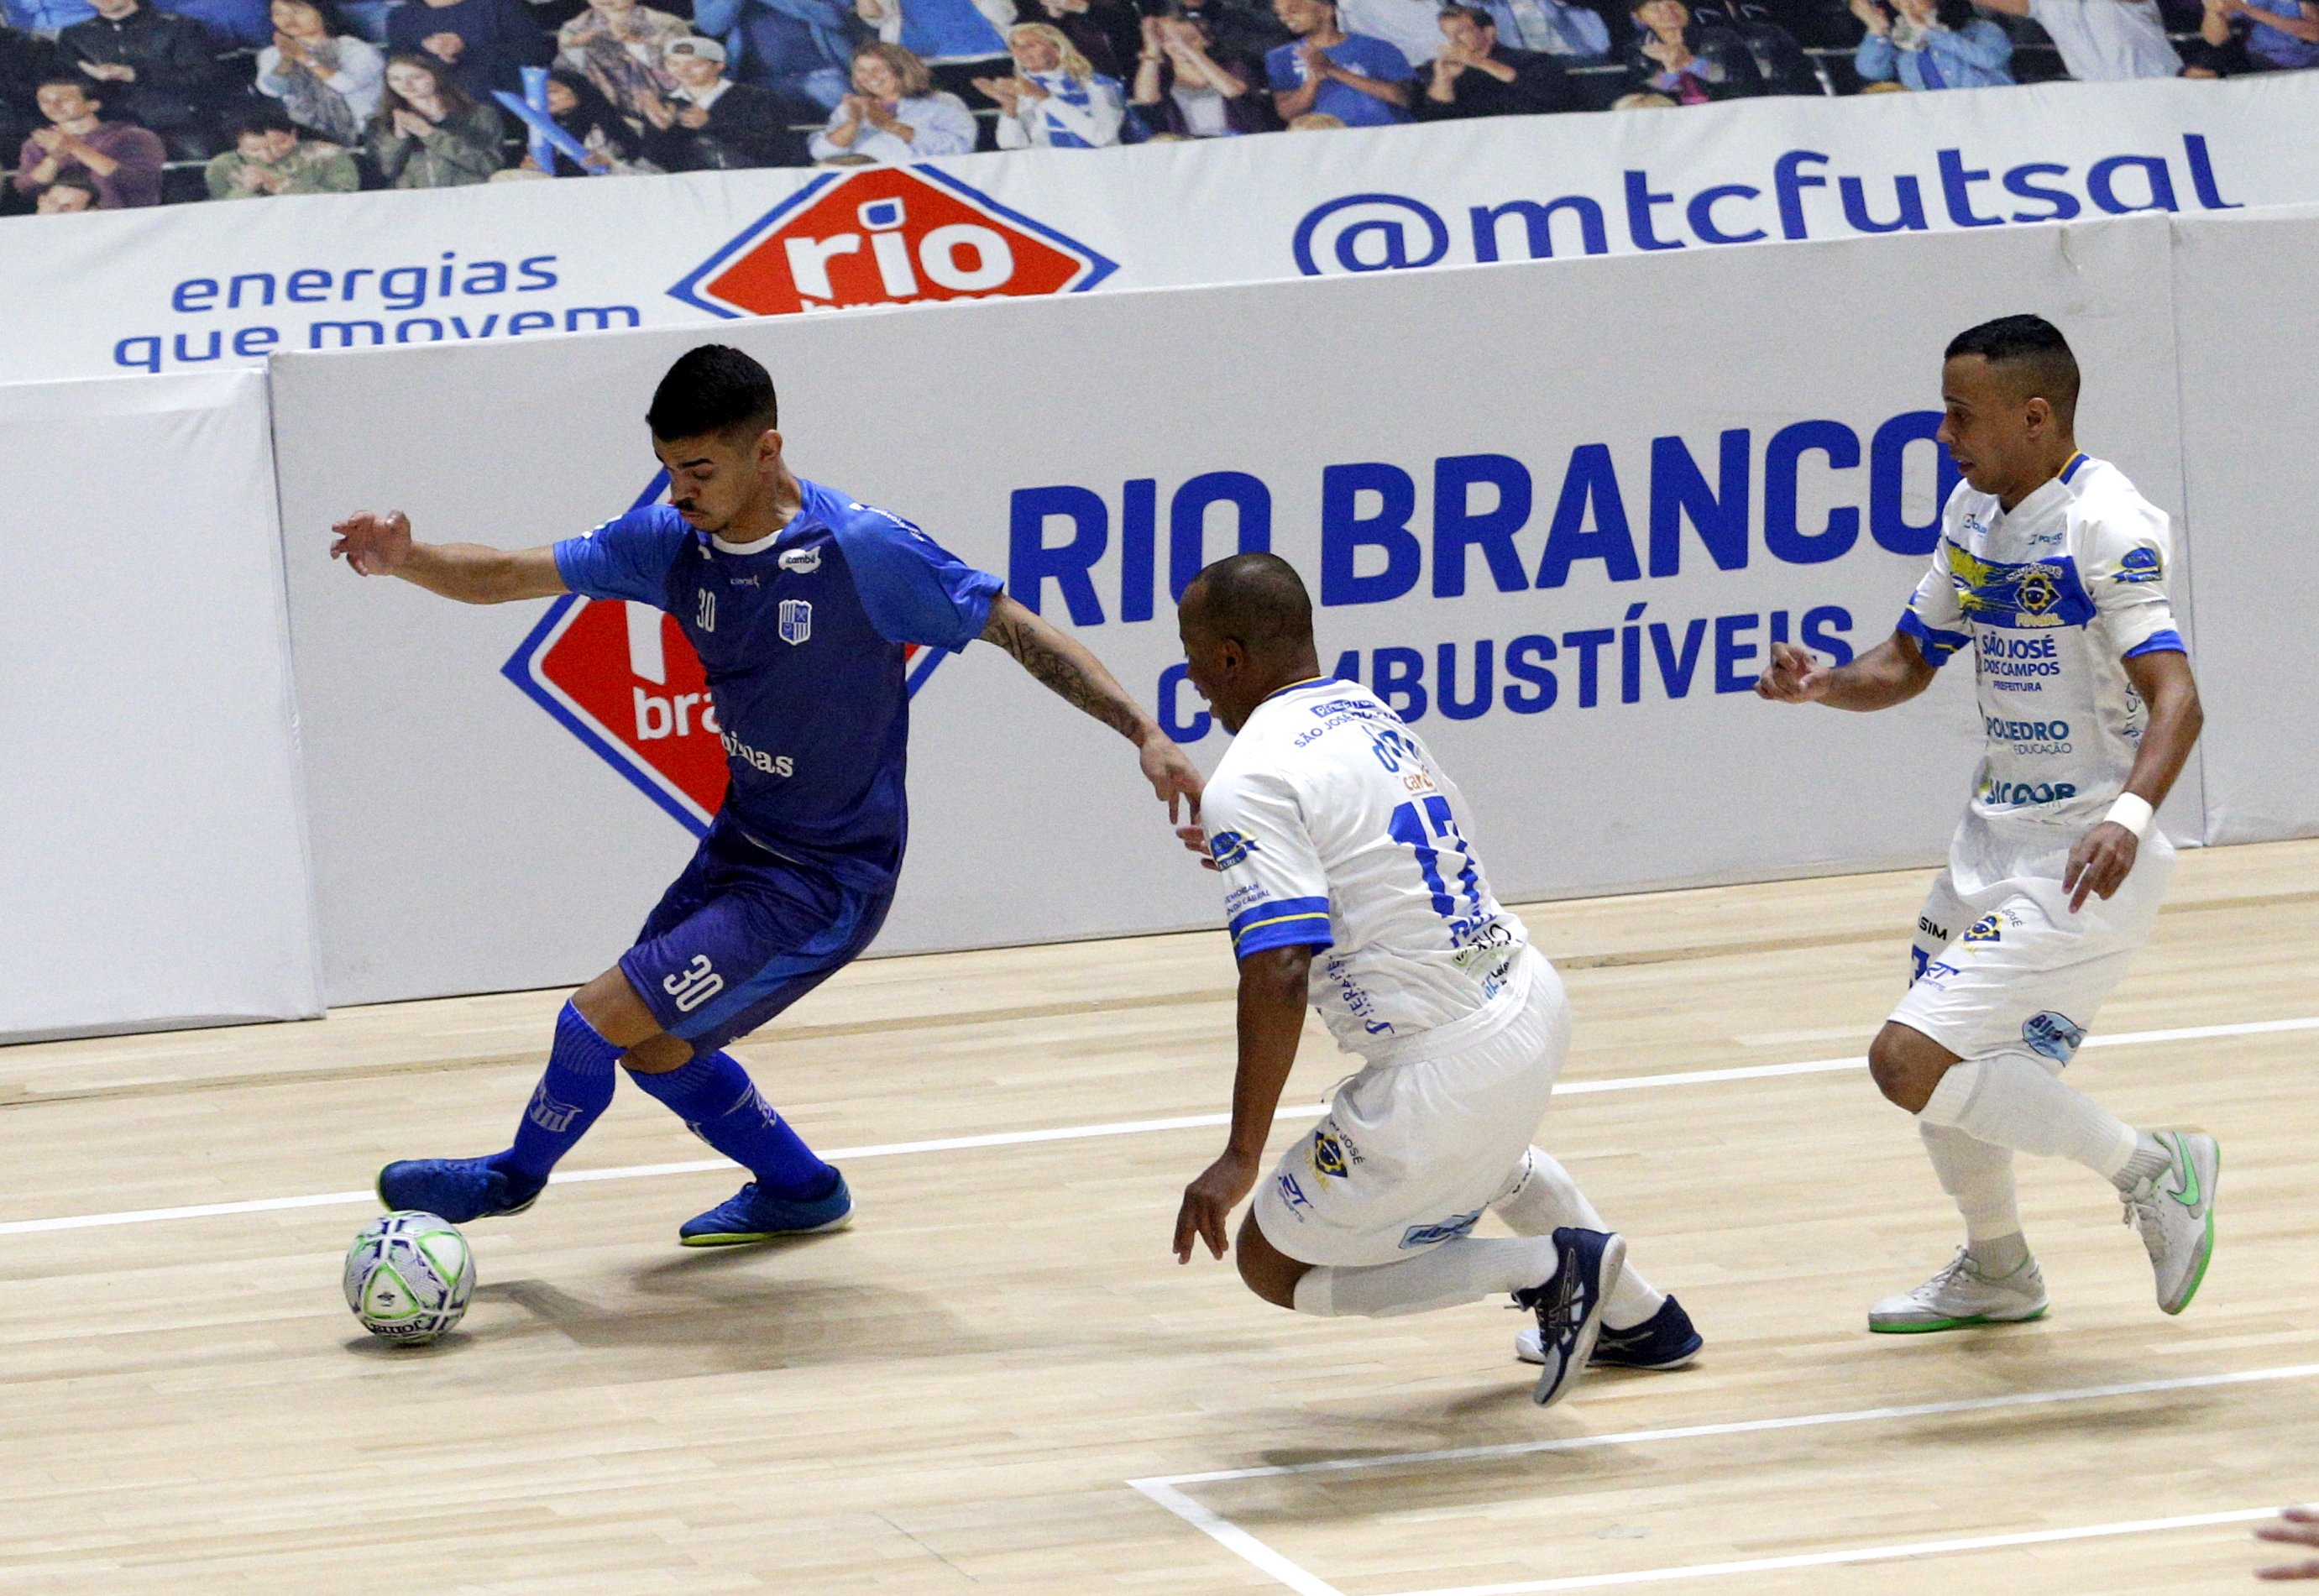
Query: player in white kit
<point x="2055" y="572"/>
<point x="1348" y="880"/>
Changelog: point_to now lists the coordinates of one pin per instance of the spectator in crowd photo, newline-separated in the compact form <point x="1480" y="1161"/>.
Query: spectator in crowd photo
<point x="1780" y="59"/>
<point x="231" y="24"/>
<point x="66" y="195"/>
<point x="118" y="161"/>
<point x="622" y="47"/>
<point x="1689" y="64"/>
<point x="1108" y="32"/>
<point x="1056" y="99"/>
<point x="327" y="79"/>
<point x="796" y="48"/>
<point x="25" y="64"/>
<point x="1931" y="44"/>
<point x="1182" y="91"/>
<point x="476" y="46"/>
<point x="718" y="124"/>
<point x="2238" y="36"/>
<point x="1240" y="34"/>
<point x="895" y="113"/>
<point x="429" y="132"/>
<point x="157" y="71"/>
<point x="44" y="19"/>
<point x="1575" y="34"/>
<point x="269" y="157"/>
<point x="579" y="109"/>
<point x="942" y="29"/>
<point x="1476" y="75"/>
<point x="1362" y="82"/>
<point x="2102" y="40"/>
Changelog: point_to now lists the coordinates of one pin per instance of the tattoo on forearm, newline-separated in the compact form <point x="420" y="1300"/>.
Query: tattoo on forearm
<point x="1060" y="673"/>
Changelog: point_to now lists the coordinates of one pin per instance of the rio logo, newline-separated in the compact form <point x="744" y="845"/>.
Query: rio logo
<point x="888" y="236"/>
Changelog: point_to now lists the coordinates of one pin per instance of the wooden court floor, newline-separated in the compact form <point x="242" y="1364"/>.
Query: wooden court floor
<point x="963" y="1392"/>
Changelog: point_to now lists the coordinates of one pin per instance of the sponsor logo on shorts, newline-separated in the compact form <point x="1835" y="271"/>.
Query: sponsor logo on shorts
<point x="1989" y="928"/>
<point x="796" y="621"/>
<point x="1230" y="848"/>
<point x="2055" y="1035"/>
<point x="694" y="985"/>
<point x="1294" y="1195"/>
<point x="1333" y="1153"/>
<point x="2027" y="794"/>
<point x="1449" y="1229"/>
<point x="1939" y="934"/>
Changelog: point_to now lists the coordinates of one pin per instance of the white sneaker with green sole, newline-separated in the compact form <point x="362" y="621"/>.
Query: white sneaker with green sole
<point x="1960" y="1297"/>
<point x="2175" y="1212"/>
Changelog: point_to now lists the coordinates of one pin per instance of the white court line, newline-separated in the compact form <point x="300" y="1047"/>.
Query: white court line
<point x="1168" y="1492"/>
<point x="1696" y="1078"/>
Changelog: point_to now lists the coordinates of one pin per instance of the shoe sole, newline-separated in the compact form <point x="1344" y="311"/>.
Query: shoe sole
<point x="378" y="1189"/>
<point x="1599" y="1361"/>
<point x="2205" y="1251"/>
<point x="1582" y="1351"/>
<point x="744" y="1237"/>
<point x="1970" y="1322"/>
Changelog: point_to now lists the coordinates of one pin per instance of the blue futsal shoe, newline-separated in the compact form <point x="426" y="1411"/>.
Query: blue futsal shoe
<point x="457" y="1189"/>
<point x="1569" y="1307"/>
<point x="751" y="1215"/>
<point x="1665" y="1340"/>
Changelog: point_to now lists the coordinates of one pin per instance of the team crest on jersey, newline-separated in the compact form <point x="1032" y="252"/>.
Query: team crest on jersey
<point x="2039" y="592"/>
<point x="1230" y="848"/>
<point x="796" y="620"/>
<point x="805" y="561"/>
<point x="2056" y="1036"/>
<point x="2140" y="564"/>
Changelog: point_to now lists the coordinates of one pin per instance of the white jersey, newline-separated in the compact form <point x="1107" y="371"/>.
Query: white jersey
<point x="1334" y="828"/>
<point x="2053" y="596"/>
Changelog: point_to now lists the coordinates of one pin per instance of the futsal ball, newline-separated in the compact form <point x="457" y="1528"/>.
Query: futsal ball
<point x="409" y="1276"/>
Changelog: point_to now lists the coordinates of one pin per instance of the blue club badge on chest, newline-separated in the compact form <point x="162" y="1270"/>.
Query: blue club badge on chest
<point x="796" y="620"/>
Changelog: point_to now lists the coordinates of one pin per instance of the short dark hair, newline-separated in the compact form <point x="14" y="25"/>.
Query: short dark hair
<point x="263" y="118"/>
<point x="1472" y="13"/>
<point x="66" y="80"/>
<point x="1258" y="600"/>
<point x="2034" y="354"/>
<point x="714" y="388"/>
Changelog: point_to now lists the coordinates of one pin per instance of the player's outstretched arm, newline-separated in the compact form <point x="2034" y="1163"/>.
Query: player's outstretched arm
<point x="1892" y="673"/>
<point x="1064" y="664"/>
<point x="1273" y="989"/>
<point x="2104" y="857"/>
<point x="381" y="546"/>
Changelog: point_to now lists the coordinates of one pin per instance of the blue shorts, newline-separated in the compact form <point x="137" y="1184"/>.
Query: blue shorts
<point x="742" y="934"/>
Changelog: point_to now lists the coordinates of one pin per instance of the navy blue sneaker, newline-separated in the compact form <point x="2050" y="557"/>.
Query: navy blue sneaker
<point x="751" y="1215"/>
<point x="457" y="1189"/>
<point x="1665" y="1340"/>
<point x="1569" y="1307"/>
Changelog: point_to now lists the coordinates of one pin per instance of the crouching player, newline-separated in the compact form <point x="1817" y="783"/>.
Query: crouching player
<point x="1348" y="879"/>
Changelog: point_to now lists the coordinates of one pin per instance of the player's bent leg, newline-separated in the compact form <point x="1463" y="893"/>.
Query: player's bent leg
<point x="1642" y="1328"/>
<point x="1907" y="1065"/>
<point x="574" y="1090"/>
<point x="1266" y="1270"/>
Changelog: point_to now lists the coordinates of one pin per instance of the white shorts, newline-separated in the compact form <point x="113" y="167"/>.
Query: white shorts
<point x="2010" y="967"/>
<point x="1411" y="1153"/>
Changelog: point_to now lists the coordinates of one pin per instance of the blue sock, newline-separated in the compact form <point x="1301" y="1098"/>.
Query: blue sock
<point x="718" y="1102"/>
<point x="581" y="1069"/>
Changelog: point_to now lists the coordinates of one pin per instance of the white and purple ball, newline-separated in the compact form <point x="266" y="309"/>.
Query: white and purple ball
<point x="409" y="1276"/>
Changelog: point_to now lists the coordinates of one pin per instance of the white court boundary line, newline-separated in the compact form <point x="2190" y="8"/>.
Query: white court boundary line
<point x="891" y="1150"/>
<point x="1167" y="1491"/>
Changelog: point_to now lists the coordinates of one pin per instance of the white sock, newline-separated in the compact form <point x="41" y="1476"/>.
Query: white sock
<point x="1979" y="1174"/>
<point x="2011" y="1100"/>
<point x="1442" y="1276"/>
<point x="1540" y="1199"/>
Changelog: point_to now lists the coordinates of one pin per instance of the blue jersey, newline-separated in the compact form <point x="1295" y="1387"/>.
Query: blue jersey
<point x="802" y="637"/>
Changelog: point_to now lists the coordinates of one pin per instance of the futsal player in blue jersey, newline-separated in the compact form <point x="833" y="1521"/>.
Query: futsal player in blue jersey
<point x="799" y="601"/>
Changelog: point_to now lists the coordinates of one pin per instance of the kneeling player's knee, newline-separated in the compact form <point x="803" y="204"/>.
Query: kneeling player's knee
<point x="1906" y="1066"/>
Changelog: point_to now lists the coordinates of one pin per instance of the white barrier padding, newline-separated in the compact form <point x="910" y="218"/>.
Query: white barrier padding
<point x="1605" y="485"/>
<point x="153" y="867"/>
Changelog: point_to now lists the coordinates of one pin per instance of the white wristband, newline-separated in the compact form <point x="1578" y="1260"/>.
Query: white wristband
<point x="2131" y="812"/>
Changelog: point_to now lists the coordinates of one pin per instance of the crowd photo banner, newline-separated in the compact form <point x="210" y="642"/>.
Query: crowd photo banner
<point x="2249" y="347"/>
<point x="153" y="865"/>
<point x="1554" y="514"/>
<point x="190" y="287"/>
